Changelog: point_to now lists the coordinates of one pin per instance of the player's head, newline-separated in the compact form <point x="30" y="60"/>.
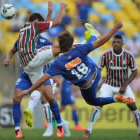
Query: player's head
<point x="36" y="17"/>
<point x="65" y="40"/>
<point x="117" y="43"/>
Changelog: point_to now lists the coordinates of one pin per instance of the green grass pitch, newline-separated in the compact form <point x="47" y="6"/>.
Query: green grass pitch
<point x="36" y="134"/>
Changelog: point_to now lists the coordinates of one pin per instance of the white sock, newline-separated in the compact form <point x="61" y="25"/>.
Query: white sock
<point x="17" y="128"/>
<point x="34" y="98"/>
<point x="94" y="116"/>
<point x="136" y="117"/>
<point x="63" y="121"/>
<point x="48" y="114"/>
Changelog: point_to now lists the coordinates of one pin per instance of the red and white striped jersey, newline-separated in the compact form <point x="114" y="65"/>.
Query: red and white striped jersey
<point x="117" y="66"/>
<point x="27" y="41"/>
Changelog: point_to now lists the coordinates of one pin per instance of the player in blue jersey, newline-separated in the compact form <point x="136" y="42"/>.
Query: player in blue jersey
<point x="67" y="99"/>
<point x="17" y="98"/>
<point x="24" y="83"/>
<point x="75" y="67"/>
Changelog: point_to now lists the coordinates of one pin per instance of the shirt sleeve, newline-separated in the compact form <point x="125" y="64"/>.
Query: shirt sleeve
<point x="132" y="63"/>
<point x="102" y="61"/>
<point x="16" y="45"/>
<point x="85" y="48"/>
<point x="41" y="26"/>
<point x="53" y="70"/>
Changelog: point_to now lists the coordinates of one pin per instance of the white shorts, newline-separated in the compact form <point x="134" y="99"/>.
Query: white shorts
<point x="34" y="69"/>
<point x="108" y="91"/>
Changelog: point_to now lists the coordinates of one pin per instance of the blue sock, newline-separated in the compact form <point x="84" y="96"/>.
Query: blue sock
<point x="75" y="116"/>
<point x="92" y="39"/>
<point x="16" y="114"/>
<point x="103" y="101"/>
<point x="56" y="112"/>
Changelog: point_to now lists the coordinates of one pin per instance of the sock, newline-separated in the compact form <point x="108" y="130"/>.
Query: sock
<point x="34" y="98"/>
<point x="136" y="117"/>
<point x="16" y="115"/>
<point x="94" y="116"/>
<point x="75" y="116"/>
<point x="63" y="121"/>
<point x="99" y="101"/>
<point x="56" y="112"/>
<point x="48" y="115"/>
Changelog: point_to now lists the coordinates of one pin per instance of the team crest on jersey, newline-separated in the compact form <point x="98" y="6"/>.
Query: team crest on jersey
<point x="111" y="63"/>
<point x="73" y="63"/>
<point x="69" y="57"/>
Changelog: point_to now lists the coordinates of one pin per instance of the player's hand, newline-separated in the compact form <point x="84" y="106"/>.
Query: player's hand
<point x="63" y="5"/>
<point x="118" y="25"/>
<point x="122" y="89"/>
<point x="50" y="6"/>
<point x="6" y="62"/>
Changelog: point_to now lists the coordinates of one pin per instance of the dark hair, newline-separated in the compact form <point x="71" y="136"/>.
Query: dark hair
<point x="65" y="40"/>
<point x="118" y="37"/>
<point x="35" y="16"/>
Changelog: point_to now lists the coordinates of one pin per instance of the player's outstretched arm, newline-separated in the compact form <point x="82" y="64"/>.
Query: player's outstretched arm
<point x="43" y="26"/>
<point x="107" y="36"/>
<point x="11" y="53"/>
<point x="50" y="10"/>
<point x="59" y="15"/>
<point x="39" y="83"/>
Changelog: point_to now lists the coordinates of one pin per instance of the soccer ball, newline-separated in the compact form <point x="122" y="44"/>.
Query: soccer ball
<point x="8" y="11"/>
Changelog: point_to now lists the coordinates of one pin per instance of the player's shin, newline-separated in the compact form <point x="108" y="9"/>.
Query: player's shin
<point x="16" y="116"/>
<point x="48" y="115"/>
<point x="56" y="112"/>
<point x="94" y="116"/>
<point x="136" y="118"/>
<point x="34" y="98"/>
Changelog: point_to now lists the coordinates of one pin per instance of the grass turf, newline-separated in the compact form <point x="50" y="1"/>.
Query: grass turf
<point x="36" y="134"/>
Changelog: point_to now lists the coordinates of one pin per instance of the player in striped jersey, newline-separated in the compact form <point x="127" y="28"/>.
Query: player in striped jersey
<point x="40" y="26"/>
<point x="33" y="60"/>
<point x="117" y="61"/>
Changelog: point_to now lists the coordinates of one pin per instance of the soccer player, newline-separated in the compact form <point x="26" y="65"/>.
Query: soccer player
<point x="75" y="67"/>
<point x="33" y="60"/>
<point x="67" y="98"/>
<point x="24" y="83"/>
<point x="117" y="61"/>
<point x="36" y="16"/>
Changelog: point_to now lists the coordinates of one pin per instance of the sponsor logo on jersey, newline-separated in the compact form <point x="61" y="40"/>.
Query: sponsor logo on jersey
<point x="73" y="63"/>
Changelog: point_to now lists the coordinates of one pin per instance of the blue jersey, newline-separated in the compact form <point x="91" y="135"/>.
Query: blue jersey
<point x="74" y="66"/>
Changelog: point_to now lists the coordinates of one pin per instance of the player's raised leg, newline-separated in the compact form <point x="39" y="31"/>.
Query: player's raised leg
<point x="28" y="112"/>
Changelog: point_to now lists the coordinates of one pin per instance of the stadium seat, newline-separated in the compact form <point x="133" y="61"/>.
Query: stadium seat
<point x="94" y="18"/>
<point x="100" y="7"/>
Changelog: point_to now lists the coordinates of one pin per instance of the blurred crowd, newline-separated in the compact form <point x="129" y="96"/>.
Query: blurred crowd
<point x="101" y="13"/>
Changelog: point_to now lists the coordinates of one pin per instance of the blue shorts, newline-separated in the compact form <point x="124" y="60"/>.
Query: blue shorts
<point x="89" y="93"/>
<point x="67" y="97"/>
<point x="24" y="82"/>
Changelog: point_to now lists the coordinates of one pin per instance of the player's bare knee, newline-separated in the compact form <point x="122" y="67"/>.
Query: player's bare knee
<point x="16" y="99"/>
<point x="51" y="100"/>
<point x="132" y="107"/>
